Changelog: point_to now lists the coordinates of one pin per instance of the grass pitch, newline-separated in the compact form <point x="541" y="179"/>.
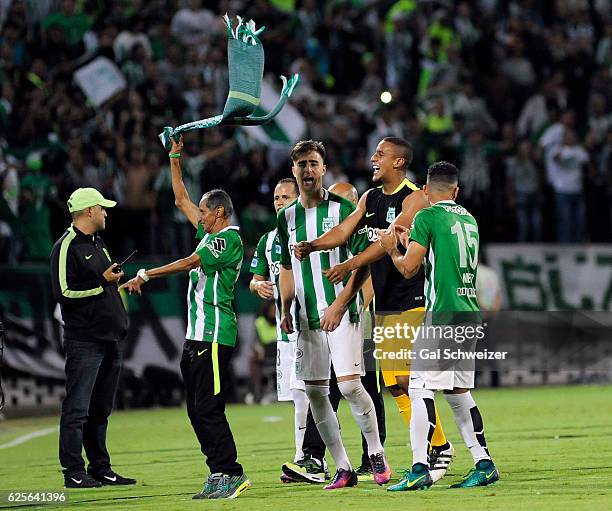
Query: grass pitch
<point x="553" y="447"/>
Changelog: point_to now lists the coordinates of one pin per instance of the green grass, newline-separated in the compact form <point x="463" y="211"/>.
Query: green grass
<point x="552" y="445"/>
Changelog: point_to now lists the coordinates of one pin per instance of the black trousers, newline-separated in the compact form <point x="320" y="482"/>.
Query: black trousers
<point x="313" y="444"/>
<point x="92" y="377"/>
<point x="204" y="367"/>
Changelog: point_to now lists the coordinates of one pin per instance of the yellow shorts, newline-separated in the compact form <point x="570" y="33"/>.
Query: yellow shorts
<point x="393" y="335"/>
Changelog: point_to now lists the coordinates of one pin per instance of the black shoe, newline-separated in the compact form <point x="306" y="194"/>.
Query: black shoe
<point x="308" y="469"/>
<point x="111" y="478"/>
<point x="364" y="472"/>
<point x="80" y="480"/>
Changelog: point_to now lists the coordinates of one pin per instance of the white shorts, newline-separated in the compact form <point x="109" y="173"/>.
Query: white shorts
<point x="434" y="369"/>
<point x="441" y="380"/>
<point x="285" y="371"/>
<point x="317" y="350"/>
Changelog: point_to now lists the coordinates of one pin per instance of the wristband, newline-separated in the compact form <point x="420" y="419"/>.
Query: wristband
<point x="143" y="275"/>
<point x="174" y="155"/>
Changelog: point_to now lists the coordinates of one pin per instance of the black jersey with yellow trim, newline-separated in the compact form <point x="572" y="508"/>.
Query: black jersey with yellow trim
<point x="392" y="292"/>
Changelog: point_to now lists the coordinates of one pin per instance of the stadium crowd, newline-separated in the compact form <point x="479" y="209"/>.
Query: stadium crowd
<point x="517" y="94"/>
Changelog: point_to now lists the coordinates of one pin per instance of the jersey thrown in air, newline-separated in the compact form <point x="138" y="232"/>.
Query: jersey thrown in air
<point x="450" y="233"/>
<point x="266" y="263"/>
<point x="314" y="293"/>
<point x="211" y="314"/>
<point x="392" y="292"/>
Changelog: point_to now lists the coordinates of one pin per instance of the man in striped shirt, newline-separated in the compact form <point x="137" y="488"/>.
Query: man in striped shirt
<point x="328" y="328"/>
<point x="213" y="270"/>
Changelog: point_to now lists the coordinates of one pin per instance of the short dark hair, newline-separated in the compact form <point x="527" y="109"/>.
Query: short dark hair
<point x="218" y="198"/>
<point x="290" y="180"/>
<point x="442" y="174"/>
<point x="307" y="146"/>
<point x="404" y="146"/>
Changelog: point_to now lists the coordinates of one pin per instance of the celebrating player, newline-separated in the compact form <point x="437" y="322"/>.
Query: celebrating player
<point x="311" y="467"/>
<point x="328" y="325"/>
<point x="448" y="234"/>
<point x="397" y="301"/>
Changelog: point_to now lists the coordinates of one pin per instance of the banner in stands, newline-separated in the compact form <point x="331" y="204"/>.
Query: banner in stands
<point x="100" y="80"/>
<point x="554" y="277"/>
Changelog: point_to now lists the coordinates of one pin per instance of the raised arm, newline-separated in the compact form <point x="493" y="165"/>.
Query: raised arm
<point x="181" y="196"/>
<point x="410" y="206"/>
<point x="335" y="237"/>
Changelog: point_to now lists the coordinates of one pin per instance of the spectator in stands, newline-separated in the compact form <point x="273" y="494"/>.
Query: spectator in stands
<point x="566" y="174"/>
<point x="193" y="25"/>
<point x="524" y="192"/>
<point x="9" y="204"/>
<point x="37" y="191"/>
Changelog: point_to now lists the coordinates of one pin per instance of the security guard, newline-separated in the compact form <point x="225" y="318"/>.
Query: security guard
<point x="95" y="319"/>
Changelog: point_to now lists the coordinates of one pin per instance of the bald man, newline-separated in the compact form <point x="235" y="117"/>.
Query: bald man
<point x="313" y="444"/>
<point x="346" y="190"/>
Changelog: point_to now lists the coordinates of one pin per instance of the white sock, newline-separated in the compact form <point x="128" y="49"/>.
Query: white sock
<point x="363" y="411"/>
<point x="422" y="423"/>
<point x="300" y="402"/>
<point x="469" y="423"/>
<point x="327" y="424"/>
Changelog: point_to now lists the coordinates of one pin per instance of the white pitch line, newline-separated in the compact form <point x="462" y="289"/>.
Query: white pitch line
<point x="25" y="438"/>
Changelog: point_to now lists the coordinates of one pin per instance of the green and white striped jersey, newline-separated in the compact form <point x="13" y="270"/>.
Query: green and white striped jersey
<point x="314" y="293"/>
<point x="266" y="263"/>
<point x="450" y="233"/>
<point x="210" y="296"/>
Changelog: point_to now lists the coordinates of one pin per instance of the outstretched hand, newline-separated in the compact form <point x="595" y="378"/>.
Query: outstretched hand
<point x="133" y="285"/>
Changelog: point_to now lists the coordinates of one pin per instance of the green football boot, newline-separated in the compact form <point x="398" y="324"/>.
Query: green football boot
<point x="230" y="487"/>
<point x="483" y="474"/>
<point x="416" y="479"/>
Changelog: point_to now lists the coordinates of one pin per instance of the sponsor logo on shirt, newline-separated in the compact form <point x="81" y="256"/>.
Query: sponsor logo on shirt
<point x="216" y="246"/>
<point x="372" y="234"/>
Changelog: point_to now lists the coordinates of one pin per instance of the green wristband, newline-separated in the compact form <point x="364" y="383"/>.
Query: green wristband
<point x="175" y="155"/>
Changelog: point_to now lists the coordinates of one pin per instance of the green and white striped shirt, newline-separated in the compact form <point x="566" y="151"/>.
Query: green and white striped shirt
<point x="210" y="296"/>
<point x="266" y="263"/>
<point x="314" y="293"/>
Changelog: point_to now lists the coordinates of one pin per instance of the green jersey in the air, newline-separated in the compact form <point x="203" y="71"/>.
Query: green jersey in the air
<point x="450" y="233"/>
<point x="266" y="263"/>
<point x="313" y="292"/>
<point x="210" y="296"/>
